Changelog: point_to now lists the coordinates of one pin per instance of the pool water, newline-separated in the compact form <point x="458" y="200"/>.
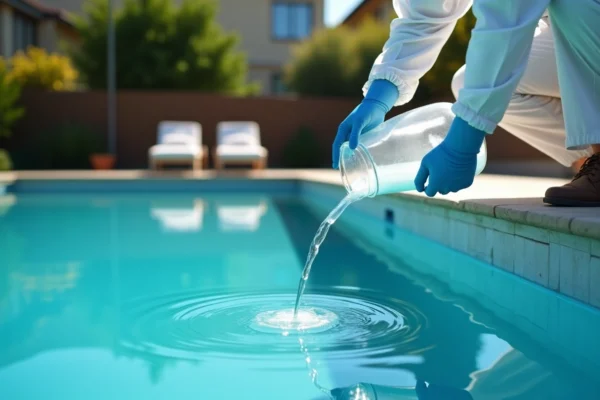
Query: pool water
<point x="156" y="296"/>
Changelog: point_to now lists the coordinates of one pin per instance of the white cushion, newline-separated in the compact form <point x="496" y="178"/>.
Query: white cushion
<point x="240" y="139"/>
<point x="240" y="153"/>
<point x="180" y="132"/>
<point x="232" y="132"/>
<point x="175" y="152"/>
<point x="178" y="138"/>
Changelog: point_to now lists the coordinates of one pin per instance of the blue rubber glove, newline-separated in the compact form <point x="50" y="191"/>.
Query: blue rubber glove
<point x="451" y="166"/>
<point x="380" y="98"/>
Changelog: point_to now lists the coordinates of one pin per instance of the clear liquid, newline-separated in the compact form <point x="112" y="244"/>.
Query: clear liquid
<point x="318" y="240"/>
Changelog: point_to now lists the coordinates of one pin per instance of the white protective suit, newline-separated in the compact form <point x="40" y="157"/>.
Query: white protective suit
<point x="516" y="59"/>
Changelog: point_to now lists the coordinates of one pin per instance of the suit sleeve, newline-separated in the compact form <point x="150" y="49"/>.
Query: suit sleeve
<point x="496" y="58"/>
<point x="417" y="37"/>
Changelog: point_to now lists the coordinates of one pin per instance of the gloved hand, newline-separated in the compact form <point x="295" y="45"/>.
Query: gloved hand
<point x="451" y="166"/>
<point x="380" y="98"/>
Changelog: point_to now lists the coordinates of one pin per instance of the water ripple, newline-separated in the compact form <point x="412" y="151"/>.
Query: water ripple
<point x="193" y="326"/>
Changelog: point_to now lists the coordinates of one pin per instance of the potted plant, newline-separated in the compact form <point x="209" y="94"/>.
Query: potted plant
<point x="102" y="161"/>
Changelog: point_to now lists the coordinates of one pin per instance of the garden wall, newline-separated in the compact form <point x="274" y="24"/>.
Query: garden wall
<point x="139" y="112"/>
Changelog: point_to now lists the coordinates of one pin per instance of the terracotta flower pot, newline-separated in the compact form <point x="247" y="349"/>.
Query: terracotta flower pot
<point x="102" y="161"/>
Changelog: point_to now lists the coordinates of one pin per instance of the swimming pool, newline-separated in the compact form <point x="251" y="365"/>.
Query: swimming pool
<point x="153" y="295"/>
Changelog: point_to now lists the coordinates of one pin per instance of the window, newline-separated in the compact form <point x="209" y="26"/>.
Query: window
<point x="292" y="21"/>
<point x="277" y="84"/>
<point x="23" y="32"/>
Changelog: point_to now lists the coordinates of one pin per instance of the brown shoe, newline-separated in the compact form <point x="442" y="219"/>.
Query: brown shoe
<point x="582" y="191"/>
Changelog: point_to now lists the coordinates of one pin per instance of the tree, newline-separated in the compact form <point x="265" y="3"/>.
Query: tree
<point x="337" y="61"/>
<point x="367" y="44"/>
<point x="160" y="46"/>
<point x="322" y="66"/>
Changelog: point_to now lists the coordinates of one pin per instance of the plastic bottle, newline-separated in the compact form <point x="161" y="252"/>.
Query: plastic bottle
<point x="388" y="157"/>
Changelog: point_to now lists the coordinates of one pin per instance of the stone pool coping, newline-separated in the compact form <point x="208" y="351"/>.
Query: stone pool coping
<point x="510" y="198"/>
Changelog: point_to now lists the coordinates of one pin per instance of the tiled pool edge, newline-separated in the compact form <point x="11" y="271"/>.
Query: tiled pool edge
<point x="507" y="234"/>
<point x="478" y="288"/>
<point x="570" y="263"/>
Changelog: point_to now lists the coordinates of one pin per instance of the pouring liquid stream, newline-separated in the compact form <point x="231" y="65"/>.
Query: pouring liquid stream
<point x="318" y="240"/>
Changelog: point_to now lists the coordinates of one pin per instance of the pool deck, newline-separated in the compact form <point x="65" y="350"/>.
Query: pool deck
<point x="500" y="220"/>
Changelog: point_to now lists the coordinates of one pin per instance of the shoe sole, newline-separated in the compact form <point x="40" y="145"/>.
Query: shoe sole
<point x="557" y="201"/>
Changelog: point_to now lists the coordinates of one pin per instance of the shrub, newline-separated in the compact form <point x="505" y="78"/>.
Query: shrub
<point x="5" y="161"/>
<point x="322" y="66"/>
<point x="35" y="68"/>
<point x="302" y="150"/>
<point x="68" y="146"/>
<point x="10" y="92"/>
<point x="367" y="43"/>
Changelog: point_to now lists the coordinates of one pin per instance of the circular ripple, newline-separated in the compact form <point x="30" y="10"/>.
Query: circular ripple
<point x="343" y="323"/>
<point x="313" y="320"/>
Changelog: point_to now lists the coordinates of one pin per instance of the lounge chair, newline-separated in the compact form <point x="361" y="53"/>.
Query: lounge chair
<point x="239" y="143"/>
<point x="179" y="142"/>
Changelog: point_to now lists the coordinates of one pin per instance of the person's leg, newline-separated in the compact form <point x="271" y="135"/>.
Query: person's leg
<point x="534" y="114"/>
<point x="577" y="40"/>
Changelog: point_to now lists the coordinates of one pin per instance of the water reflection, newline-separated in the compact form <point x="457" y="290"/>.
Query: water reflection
<point x="422" y="391"/>
<point x="7" y="200"/>
<point x="241" y="214"/>
<point x="512" y="376"/>
<point x="72" y="266"/>
<point x="176" y="215"/>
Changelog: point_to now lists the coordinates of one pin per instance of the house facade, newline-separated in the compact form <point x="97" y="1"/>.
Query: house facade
<point x="25" y="23"/>
<point x="268" y="29"/>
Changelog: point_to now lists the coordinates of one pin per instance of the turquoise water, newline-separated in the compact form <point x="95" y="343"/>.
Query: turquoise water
<point x="156" y="296"/>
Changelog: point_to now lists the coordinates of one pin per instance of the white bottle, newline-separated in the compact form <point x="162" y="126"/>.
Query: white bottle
<point x="388" y="157"/>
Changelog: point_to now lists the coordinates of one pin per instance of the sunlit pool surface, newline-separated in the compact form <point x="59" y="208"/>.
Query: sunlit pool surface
<point x="180" y="296"/>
